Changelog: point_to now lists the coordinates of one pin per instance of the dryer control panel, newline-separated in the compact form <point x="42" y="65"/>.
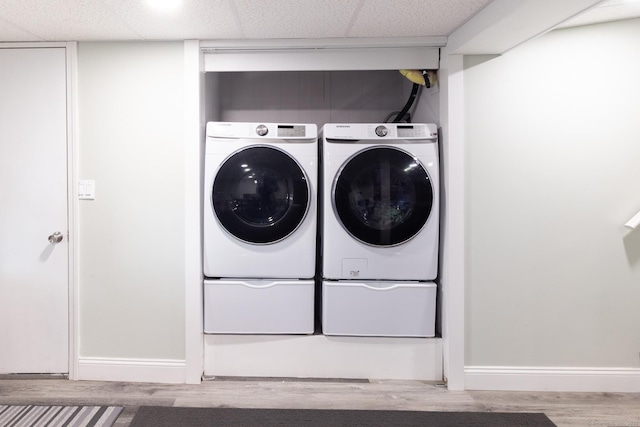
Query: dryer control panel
<point x="378" y="131"/>
<point x="288" y="131"/>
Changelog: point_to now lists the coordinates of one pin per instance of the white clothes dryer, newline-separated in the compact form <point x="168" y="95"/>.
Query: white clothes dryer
<point x="380" y="227"/>
<point x="380" y="214"/>
<point x="260" y="200"/>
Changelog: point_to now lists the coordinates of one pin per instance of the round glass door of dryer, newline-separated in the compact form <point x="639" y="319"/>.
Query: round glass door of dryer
<point x="260" y="195"/>
<point x="383" y="196"/>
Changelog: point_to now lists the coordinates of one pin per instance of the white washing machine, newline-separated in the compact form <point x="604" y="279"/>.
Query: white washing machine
<point x="260" y="226"/>
<point x="380" y="228"/>
<point x="260" y="200"/>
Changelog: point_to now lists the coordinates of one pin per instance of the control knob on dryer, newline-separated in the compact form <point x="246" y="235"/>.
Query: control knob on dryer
<point x="382" y="131"/>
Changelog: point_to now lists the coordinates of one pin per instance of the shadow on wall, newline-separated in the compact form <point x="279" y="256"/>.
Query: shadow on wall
<point x="471" y="61"/>
<point x="632" y="246"/>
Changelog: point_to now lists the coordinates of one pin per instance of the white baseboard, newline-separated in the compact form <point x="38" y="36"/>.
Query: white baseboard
<point x="322" y="356"/>
<point x="132" y="370"/>
<point x="552" y="379"/>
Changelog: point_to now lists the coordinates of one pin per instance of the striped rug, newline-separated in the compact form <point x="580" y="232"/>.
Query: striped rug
<point x="58" y="416"/>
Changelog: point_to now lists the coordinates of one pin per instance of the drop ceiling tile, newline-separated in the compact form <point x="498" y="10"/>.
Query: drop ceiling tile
<point x="295" y="18"/>
<point x="197" y="19"/>
<point x="11" y="33"/>
<point x="63" y="20"/>
<point x="413" y="18"/>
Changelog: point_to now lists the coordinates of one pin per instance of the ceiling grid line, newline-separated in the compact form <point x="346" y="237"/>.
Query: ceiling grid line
<point x="12" y="24"/>
<point x="354" y="17"/>
<point x="236" y="16"/>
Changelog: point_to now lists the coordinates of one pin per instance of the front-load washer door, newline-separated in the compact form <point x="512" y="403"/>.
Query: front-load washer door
<point x="383" y="196"/>
<point x="260" y="195"/>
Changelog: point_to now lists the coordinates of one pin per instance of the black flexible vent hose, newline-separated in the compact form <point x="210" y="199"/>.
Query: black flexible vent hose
<point x="412" y="97"/>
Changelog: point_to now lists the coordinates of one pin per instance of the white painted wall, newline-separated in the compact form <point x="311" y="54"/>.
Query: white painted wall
<point x="131" y="273"/>
<point x="553" y="171"/>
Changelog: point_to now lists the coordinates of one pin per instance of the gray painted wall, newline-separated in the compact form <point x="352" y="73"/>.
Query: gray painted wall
<point x="553" y="172"/>
<point x="306" y="96"/>
<point x="553" y="277"/>
<point x="131" y="273"/>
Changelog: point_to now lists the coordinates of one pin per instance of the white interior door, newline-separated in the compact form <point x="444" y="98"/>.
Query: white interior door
<point x="34" y="291"/>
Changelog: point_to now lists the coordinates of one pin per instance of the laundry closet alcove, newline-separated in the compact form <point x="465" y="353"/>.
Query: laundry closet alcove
<point x="308" y="81"/>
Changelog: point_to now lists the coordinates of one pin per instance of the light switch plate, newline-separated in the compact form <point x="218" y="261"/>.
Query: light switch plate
<point x="87" y="189"/>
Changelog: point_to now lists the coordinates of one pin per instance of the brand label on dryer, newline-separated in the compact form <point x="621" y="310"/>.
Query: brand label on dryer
<point x="354" y="268"/>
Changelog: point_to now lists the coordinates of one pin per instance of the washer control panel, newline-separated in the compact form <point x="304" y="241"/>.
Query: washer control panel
<point x="257" y="130"/>
<point x="283" y="131"/>
<point x="408" y="131"/>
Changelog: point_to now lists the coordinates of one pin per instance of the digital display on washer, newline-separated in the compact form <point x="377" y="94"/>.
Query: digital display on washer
<point x="408" y="130"/>
<point x="291" y="130"/>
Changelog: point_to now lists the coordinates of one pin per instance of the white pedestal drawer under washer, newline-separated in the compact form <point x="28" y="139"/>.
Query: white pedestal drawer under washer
<point x="265" y="306"/>
<point x="380" y="201"/>
<point x="260" y="200"/>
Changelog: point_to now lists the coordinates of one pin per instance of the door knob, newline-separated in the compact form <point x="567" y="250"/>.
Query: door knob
<point x="55" y="237"/>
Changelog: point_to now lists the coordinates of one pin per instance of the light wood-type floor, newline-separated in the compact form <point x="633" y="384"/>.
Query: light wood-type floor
<point x="564" y="409"/>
